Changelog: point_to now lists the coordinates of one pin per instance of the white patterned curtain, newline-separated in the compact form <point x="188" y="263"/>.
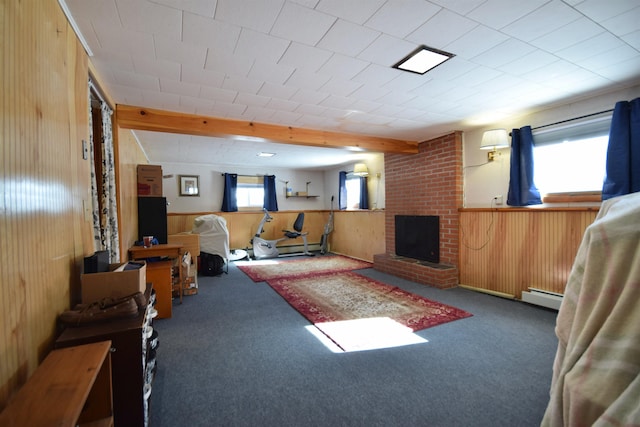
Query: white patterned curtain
<point x="97" y="229"/>
<point x="109" y="214"/>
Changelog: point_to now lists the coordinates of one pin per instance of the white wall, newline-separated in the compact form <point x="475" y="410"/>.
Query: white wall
<point x="375" y="164"/>
<point x="212" y="184"/>
<point x="482" y="183"/>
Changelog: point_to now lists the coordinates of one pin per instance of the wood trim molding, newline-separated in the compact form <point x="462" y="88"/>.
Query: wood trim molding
<point x="130" y="117"/>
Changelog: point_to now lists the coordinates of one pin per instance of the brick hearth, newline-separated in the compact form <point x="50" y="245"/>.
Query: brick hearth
<point x="427" y="183"/>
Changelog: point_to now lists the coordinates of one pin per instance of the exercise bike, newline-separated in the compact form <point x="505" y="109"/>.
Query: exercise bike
<point x="263" y="249"/>
<point x="328" y="228"/>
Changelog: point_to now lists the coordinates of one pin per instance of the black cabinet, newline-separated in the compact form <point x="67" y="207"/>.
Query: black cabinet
<point x="152" y="218"/>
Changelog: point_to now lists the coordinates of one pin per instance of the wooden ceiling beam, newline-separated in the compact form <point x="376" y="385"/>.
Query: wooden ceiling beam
<point x="130" y="117"/>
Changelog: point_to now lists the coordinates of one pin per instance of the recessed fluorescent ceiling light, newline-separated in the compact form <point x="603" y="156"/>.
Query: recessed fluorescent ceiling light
<point x="264" y="154"/>
<point x="423" y="59"/>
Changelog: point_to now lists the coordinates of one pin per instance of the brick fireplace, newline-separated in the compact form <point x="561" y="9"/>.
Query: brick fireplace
<point x="427" y="183"/>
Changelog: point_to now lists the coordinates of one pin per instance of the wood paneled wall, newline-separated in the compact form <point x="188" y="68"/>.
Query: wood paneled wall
<point x="359" y="234"/>
<point x="509" y="250"/>
<point x="43" y="230"/>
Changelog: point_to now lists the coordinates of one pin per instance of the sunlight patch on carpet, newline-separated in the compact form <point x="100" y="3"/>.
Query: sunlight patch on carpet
<point x="364" y="334"/>
<point x="260" y="271"/>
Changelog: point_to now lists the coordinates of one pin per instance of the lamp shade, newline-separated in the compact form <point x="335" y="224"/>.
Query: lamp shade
<point x="360" y="169"/>
<point x="495" y="138"/>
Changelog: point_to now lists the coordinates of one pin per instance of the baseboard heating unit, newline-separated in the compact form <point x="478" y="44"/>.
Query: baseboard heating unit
<point x="543" y="298"/>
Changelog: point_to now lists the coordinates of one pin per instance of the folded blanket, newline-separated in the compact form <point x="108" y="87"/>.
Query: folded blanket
<point x="596" y="374"/>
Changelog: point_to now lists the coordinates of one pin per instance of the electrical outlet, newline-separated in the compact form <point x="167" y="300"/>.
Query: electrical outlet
<point x="498" y="199"/>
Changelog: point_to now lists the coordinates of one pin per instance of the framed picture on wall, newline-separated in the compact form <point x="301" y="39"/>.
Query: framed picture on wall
<point x="189" y="185"/>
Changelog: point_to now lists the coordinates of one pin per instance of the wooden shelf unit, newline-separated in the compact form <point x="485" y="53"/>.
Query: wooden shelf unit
<point x="72" y="387"/>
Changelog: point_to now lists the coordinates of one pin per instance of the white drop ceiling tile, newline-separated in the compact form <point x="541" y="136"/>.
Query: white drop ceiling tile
<point x="337" y="102"/>
<point x="401" y="17"/>
<point x="233" y="65"/>
<point x="376" y="74"/>
<point x="311" y="4"/>
<point x="602" y="10"/>
<point x="252" y="100"/>
<point x="310" y="110"/>
<point x="282" y="104"/>
<point x="396" y="98"/>
<point x="476" y="41"/>
<point x="305" y="80"/>
<point x="112" y="60"/>
<point x="551" y="71"/>
<point x="364" y="105"/>
<point x="624" y="23"/>
<point x="573" y="33"/>
<point x="505" y="52"/>
<point x="270" y="72"/>
<point x="156" y="67"/>
<point x="305" y="57"/>
<point x="184" y="53"/>
<point x="218" y="94"/>
<point x="442" y="29"/>
<point x="499" y="13"/>
<point x="260" y="46"/>
<point x="461" y="7"/>
<point x="348" y="38"/>
<point x="222" y="109"/>
<point x="594" y="46"/>
<point x="179" y="88"/>
<point x="307" y="96"/>
<point x="434" y="89"/>
<point x="610" y="57"/>
<point x="285" y="117"/>
<point x="389" y="111"/>
<point x="301" y="24"/>
<point x="387" y="50"/>
<point x="632" y="39"/>
<point x="343" y="67"/>
<point x="340" y="87"/>
<point x="257" y="114"/>
<point x="353" y="11"/>
<point x="125" y="94"/>
<point x="201" y="76"/>
<point x="160" y="99"/>
<point x="257" y="15"/>
<point x="406" y="82"/>
<point x="450" y="70"/>
<point x="196" y="104"/>
<point x="478" y="76"/>
<point x="96" y="10"/>
<point x="546" y="19"/>
<point x="277" y="91"/>
<point x="623" y="72"/>
<point x="199" y="7"/>
<point x="369" y="92"/>
<point x="530" y="62"/>
<point x="150" y="18"/>
<point x="241" y="84"/>
<point x="334" y="113"/>
<point x="202" y="31"/>
<point x="128" y="78"/>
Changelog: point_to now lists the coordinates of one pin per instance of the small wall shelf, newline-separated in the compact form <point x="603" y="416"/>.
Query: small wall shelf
<point x="290" y="194"/>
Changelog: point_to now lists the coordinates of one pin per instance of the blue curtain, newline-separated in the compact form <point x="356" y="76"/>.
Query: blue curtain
<point x="229" y="200"/>
<point x="623" y="153"/>
<point x="364" y="193"/>
<point x="522" y="190"/>
<point x="342" y="190"/>
<point x="270" y="199"/>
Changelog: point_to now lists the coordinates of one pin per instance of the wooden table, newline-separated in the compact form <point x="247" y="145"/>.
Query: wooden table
<point x="168" y="251"/>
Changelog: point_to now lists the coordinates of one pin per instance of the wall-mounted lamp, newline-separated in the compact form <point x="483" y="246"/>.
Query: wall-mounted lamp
<point x="360" y="169"/>
<point x="493" y="140"/>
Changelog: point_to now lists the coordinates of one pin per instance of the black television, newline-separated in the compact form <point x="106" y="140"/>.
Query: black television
<point x="418" y="237"/>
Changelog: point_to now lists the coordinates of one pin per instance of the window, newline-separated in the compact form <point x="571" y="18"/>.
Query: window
<point x="572" y="158"/>
<point x="250" y="192"/>
<point x="353" y="191"/>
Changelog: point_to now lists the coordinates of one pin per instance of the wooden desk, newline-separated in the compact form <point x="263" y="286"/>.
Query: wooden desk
<point x="72" y="386"/>
<point x="173" y="252"/>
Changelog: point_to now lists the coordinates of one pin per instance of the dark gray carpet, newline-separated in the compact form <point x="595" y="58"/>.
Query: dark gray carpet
<point x="237" y="354"/>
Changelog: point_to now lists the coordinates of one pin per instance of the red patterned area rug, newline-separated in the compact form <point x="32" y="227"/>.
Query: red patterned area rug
<point x="335" y="301"/>
<point x="263" y="270"/>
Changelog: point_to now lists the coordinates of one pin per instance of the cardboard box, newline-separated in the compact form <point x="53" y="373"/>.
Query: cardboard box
<point x="149" y="180"/>
<point x="113" y="284"/>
